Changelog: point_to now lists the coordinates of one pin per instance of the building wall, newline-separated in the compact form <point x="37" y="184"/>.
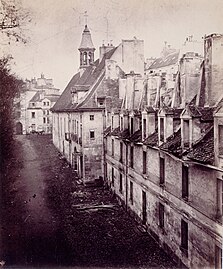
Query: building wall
<point x="204" y="232"/>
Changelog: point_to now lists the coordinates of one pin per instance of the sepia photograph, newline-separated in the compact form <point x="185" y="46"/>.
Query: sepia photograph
<point x="111" y="134"/>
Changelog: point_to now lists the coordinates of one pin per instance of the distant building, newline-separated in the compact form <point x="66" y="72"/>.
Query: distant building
<point x="33" y="106"/>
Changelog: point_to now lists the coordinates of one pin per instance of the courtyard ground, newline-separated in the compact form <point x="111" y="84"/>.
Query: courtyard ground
<point x="50" y="219"/>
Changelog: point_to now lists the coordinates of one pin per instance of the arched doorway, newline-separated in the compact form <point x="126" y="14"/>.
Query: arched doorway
<point x="18" y="128"/>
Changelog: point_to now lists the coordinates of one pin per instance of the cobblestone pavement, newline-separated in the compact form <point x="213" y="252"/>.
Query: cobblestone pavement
<point x="50" y="219"/>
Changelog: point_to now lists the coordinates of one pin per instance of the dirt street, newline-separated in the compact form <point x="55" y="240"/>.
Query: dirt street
<point x="50" y="219"/>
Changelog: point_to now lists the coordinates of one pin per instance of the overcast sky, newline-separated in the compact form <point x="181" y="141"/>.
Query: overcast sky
<point x="57" y="25"/>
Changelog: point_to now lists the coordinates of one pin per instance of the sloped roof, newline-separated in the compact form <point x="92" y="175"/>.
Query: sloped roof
<point x="173" y="144"/>
<point x="65" y="99"/>
<point x="84" y="82"/>
<point x="203" y="151"/>
<point x="136" y="137"/>
<point x="35" y="98"/>
<point x="152" y="140"/>
<point x="115" y="131"/>
<point x="204" y="113"/>
<point x="107" y="131"/>
<point x="52" y="98"/>
<point x="170" y="59"/>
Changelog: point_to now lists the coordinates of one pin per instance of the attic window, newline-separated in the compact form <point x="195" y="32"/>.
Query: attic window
<point x="33" y="104"/>
<point x="162" y="129"/>
<point x="186" y="133"/>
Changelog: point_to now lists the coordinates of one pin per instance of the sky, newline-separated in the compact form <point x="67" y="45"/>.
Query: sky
<point x="55" y="31"/>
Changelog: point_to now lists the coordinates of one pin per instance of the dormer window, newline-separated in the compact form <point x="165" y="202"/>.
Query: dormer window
<point x="186" y="134"/>
<point x="131" y="125"/>
<point x="121" y="123"/>
<point x="100" y="102"/>
<point x="162" y="129"/>
<point x="144" y="128"/>
<point x="74" y="95"/>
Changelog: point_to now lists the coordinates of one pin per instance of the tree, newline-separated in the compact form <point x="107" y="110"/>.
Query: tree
<point x="13" y="19"/>
<point x="10" y="87"/>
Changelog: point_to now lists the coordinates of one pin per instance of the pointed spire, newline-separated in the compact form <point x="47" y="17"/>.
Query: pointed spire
<point x="86" y="41"/>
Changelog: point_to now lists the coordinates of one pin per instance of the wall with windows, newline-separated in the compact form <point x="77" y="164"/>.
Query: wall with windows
<point x="181" y="212"/>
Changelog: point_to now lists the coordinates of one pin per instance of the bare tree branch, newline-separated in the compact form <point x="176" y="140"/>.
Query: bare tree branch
<point x="13" y="17"/>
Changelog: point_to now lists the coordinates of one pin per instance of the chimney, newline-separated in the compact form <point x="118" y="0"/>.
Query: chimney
<point x="213" y="59"/>
<point x="104" y="49"/>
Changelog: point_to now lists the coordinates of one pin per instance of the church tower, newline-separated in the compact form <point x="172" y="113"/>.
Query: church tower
<point x="86" y="49"/>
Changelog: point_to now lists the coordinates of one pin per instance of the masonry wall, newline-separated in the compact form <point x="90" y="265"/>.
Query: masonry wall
<point x="92" y="147"/>
<point x="204" y="232"/>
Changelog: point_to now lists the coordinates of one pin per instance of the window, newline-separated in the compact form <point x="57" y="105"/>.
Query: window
<point x="218" y="258"/>
<point x="120" y="183"/>
<point x="131" y="125"/>
<point x="44" y="103"/>
<point x="144" y="157"/>
<point x="33" y="115"/>
<point x="131" y="156"/>
<point x="48" y="120"/>
<point x="131" y="192"/>
<point x="91" y="117"/>
<point x="112" y="122"/>
<point x="186" y="133"/>
<point x="185" y="182"/>
<point x="92" y="135"/>
<point x="113" y="177"/>
<point x="162" y="171"/>
<point x="161" y="215"/>
<point x="112" y="147"/>
<point x="121" y="152"/>
<point x="219" y="199"/>
<point x="144" y="128"/>
<point x="184" y="236"/>
<point x="33" y="104"/>
<point x="44" y="112"/>
<point x="121" y="124"/>
<point x="18" y="114"/>
<point x="161" y="129"/>
<point x="44" y="120"/>
<point x="220" y="139"/>
<point x="47" y="112"/>
<point x="48" y="103"/>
